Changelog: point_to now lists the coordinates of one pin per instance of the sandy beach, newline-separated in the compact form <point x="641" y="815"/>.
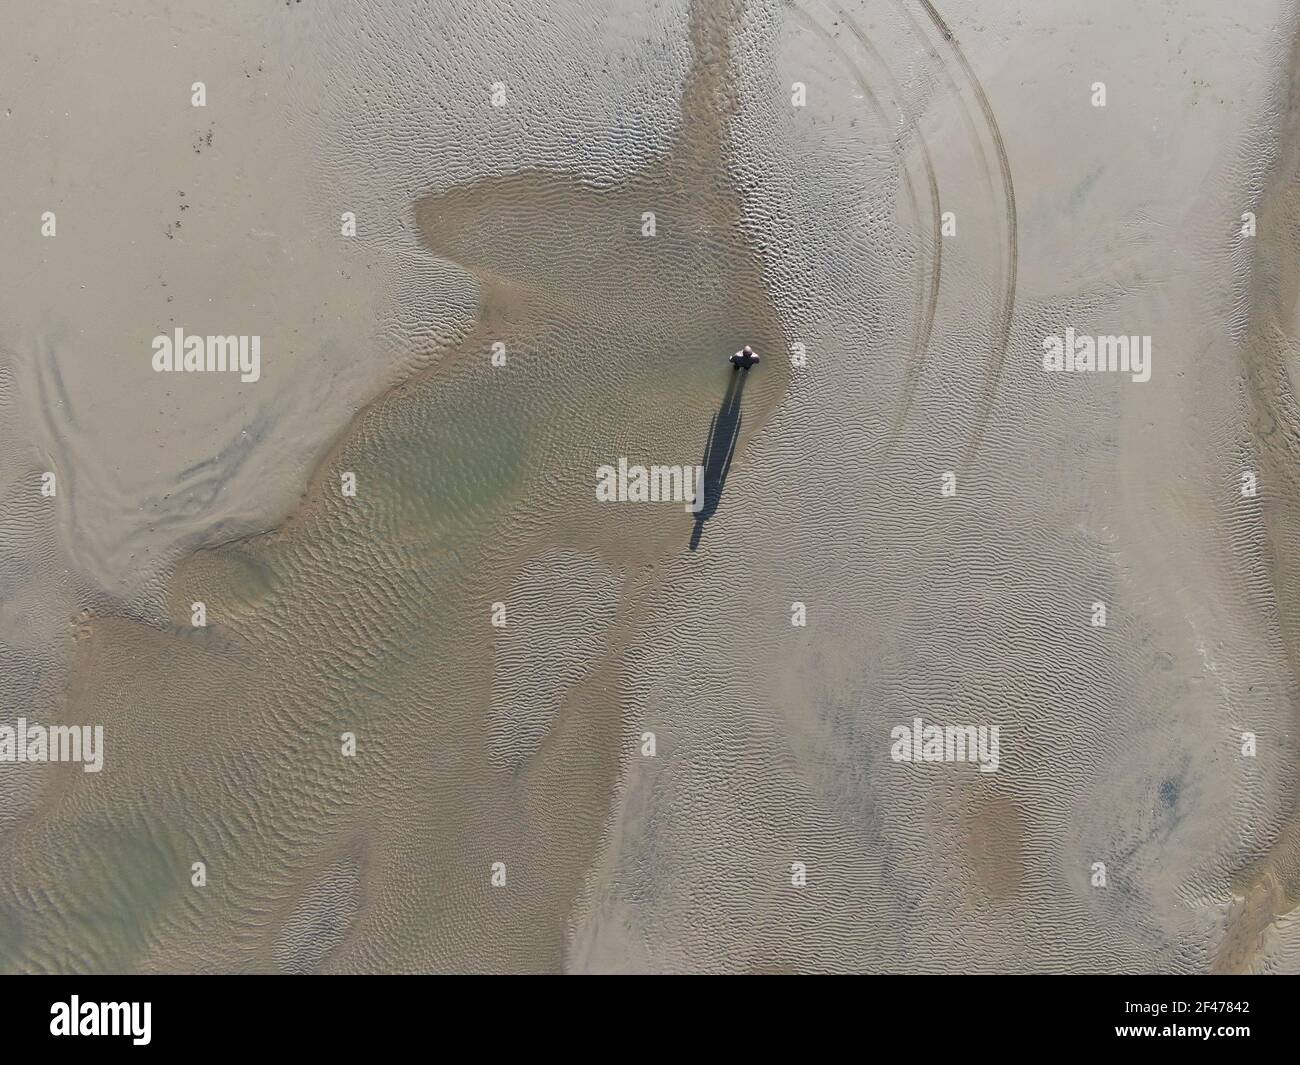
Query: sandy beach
<point x="563" y="220"/>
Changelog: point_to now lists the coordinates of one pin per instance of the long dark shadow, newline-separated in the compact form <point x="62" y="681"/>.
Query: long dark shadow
<point x="719" y="449"/>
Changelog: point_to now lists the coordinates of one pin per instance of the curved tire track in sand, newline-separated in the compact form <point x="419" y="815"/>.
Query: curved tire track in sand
<point x="911" y="125"/>
<point x="926" y="303"/>
<point x="1002" y="326"/>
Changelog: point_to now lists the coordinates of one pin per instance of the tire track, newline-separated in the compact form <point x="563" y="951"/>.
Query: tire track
<point x="1002" y="326"/>
<point x="911" y="124"/>
<point x="926" y="303"/>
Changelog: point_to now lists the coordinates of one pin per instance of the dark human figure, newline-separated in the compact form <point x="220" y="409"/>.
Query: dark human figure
<point x="719" y="449"/>
<point x="744" y="359"/>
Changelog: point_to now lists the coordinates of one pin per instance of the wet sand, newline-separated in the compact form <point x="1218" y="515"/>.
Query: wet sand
<point x="775" y="225"/>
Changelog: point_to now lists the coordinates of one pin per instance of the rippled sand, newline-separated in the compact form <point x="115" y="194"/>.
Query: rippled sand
<point x="525" y="744"/>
